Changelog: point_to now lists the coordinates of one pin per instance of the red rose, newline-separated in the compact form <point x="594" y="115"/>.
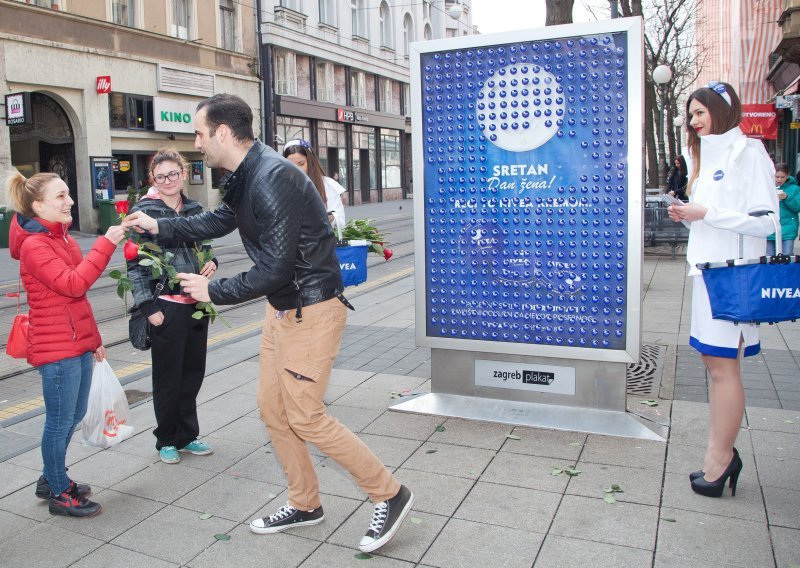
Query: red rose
<point x="122" y="207"/>
<point x="131" y="250"/>
<point x="387" y="253"/>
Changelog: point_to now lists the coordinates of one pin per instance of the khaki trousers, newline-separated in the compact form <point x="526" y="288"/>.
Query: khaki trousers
<point x="296" y="359"/>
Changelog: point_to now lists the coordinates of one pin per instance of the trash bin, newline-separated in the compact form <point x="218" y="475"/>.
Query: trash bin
<point x="5" y="225"/>
<point x="107" y="215"/>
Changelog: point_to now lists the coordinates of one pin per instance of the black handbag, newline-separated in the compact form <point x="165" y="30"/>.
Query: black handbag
<point x="138" y="324"/>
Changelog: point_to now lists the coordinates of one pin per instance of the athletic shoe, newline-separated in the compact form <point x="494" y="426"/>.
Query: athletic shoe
<point x="287" y="517"/>
<point x="43" y="488"/>
<point x="169" y="454"/>
<point x="197" y="448"/>
<point x="386" y="519"/>
<point x="70" y="504"/>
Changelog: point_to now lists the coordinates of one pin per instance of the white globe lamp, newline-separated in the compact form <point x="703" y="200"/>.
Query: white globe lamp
<point x="455" y="11"/>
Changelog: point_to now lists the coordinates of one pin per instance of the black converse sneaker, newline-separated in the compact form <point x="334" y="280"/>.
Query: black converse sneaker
<point x="43" y="488"/>
<point x="287" y="517"/>
<point x="386" y="519"/>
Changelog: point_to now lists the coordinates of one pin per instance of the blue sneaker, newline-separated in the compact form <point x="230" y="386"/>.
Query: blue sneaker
<point x="169" y="454"/>
<point x="197" y="448"/>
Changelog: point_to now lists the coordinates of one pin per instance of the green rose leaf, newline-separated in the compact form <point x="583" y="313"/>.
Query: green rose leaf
<point x="115" y="274"/>
<point x="609" y="498"/>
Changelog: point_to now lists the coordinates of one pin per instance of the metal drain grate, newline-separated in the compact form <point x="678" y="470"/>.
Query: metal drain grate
<point x="644" y="378"/>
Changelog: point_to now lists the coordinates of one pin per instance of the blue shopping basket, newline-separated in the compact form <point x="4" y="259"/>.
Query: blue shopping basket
<point x="353" y="263"/>
<point x="759" y="290"/>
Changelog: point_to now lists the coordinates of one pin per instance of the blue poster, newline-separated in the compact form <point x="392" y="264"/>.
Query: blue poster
<point x="527" y="184"/>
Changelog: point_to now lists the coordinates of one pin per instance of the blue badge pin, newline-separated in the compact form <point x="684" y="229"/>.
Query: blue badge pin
<point x="718" y="175"/>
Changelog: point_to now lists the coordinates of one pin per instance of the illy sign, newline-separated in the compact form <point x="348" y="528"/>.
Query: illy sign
<point x="103" y="84"/>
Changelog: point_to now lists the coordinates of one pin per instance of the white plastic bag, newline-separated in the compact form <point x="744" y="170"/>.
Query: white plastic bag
<point x="106" y="420"/>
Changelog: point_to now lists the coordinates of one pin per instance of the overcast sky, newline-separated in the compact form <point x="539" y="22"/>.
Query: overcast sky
<point x="491" y="16"/>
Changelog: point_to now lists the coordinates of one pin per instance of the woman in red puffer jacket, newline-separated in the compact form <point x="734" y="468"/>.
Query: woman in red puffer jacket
<point x="63" y="335"/>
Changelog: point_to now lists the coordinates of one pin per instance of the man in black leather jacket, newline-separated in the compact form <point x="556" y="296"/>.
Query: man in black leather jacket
<point x="286" y="233"/>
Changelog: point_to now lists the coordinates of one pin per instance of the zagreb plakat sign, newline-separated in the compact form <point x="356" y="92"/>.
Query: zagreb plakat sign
<point x="529" y="227"/>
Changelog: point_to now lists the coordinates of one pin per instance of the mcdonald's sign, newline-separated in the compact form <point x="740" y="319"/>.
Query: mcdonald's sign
<point x="760" y="121"/>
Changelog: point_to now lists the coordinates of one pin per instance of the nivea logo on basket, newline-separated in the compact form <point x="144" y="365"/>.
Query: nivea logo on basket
<point x="718" y="175"/>
<point x="778" y="293"/>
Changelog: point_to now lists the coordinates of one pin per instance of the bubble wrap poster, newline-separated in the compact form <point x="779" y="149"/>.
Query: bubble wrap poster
<point x="526" y="150"/>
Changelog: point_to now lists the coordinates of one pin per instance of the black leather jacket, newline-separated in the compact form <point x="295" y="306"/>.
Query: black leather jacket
<point x="284" y="229"/>
<point x="185" y="259"/>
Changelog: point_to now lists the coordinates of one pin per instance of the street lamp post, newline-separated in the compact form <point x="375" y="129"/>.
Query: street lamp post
<point x="661" y="75"/>
<point x="678" y="122"/>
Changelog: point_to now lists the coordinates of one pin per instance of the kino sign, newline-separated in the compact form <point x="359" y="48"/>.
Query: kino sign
<point x="174" y="115"/>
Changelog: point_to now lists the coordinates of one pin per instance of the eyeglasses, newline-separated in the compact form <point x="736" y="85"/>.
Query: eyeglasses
<point x="171" y="176"/>
<point x="721" y="90"/>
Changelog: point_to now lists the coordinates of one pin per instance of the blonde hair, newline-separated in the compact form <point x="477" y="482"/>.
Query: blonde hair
<point x="21" y="192"/>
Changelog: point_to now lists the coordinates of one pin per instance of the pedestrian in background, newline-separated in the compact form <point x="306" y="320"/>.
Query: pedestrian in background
<point x="63" y="335"/>
<point x="179" y="341"/>
<point x="731" y="177"/>
<point x="789" y="199"/>
<point x="286" y="232"/>
<point x="677" y="179"/>
<point x="300" y="153"/>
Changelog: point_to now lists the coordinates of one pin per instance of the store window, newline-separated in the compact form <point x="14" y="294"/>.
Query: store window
<point x="358" y="89"/>
<point x="296" y="5"/>
<point x="289" y="128"/>
<point x="385" y="94"/>
<point x="364" y="162"/>
<point x="285" y="72"/>
<point x="387" y="29"/>
<point x="408" y="33"/>
<point x="390" y="158"/>
<point x="327" y="12"/>
<point x="130" y="111"/>
<point x="181" y="18"/>
<point x="326" y="91"/>
<point x="332" y="150"/>
<point x="406" y="99"/>
<point x="359" y="15"/>
<point x="123" y="12"/>
<point x="227" y="25"/>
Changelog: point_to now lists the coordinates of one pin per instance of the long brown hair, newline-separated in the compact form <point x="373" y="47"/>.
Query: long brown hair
<point x="21" y="192"/>
<point x="315" y="171"/>
<point x="724" y="117"/>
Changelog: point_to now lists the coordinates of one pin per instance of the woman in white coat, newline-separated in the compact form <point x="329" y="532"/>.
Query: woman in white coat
<point x="300" y="153"/>
<point x="731" y="176"/>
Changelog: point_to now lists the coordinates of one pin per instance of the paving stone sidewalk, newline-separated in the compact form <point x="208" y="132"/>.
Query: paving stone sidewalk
<point x="485" y="493"/>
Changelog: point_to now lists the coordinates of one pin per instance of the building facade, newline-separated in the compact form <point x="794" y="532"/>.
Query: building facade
<point x="336" y="73"/>
<point x="784" y="76"/>
<point x="94" y="87"/>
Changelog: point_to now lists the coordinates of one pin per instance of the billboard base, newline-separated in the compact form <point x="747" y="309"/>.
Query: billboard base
<point x="536" y="415"/>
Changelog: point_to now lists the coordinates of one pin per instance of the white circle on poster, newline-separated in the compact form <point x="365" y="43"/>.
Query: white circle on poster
<point x="520" y="107"/>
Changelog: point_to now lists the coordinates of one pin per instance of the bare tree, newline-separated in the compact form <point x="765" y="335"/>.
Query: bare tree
<point x="558" y="12"/>
<point x="669" y="40"/>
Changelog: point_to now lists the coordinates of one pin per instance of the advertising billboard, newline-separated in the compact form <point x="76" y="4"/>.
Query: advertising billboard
<point x="529" y="224"/>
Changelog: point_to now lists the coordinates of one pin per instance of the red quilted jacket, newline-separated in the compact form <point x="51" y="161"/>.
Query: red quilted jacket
<point x="56" y="279"/>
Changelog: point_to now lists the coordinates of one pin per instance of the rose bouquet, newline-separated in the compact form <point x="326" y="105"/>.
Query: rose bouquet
<point x="160" y="264"/>
<point x="364" y="230"/>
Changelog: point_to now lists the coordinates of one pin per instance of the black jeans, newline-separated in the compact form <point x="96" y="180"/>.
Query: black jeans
<point x="179" y="365"/>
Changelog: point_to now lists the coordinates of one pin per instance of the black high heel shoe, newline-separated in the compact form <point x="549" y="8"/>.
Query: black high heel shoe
<point x="700" y="473"/>
<point x="715" y="488"/>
